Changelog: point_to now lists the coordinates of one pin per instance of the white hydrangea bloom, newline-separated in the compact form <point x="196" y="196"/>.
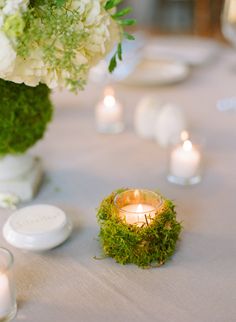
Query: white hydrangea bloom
<point x="32" y="70"/>
<point x="1" y="20"/>
<point x="15" y="6"/>
<point x="7" y="56"/>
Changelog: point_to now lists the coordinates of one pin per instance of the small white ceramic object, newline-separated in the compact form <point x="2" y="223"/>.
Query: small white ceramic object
<point x="37" y="228"/>
<point x="169" y="124"/>
<point x="13" y="166"/>
<point x="145" y="116"/>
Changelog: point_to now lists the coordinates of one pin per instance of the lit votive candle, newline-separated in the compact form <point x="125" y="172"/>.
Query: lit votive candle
<point x="109" y="114"/>
<point x="185" y="164"/>
<point x="138" y="207"/>
<point x="7" y="287"/>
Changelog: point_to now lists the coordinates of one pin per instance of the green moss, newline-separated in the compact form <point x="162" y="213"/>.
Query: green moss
<point x="24" y="114"/>
<point x="148" y="246"/>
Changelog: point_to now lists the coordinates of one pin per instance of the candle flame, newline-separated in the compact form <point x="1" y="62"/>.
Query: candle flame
<point x="109" y="101"/>
<point x="187" y="146"/>
<point x="109" y="91"/>
<point x="184" y="135"/>
<point x="136" y="193"/>
<point x="140" y="208"/>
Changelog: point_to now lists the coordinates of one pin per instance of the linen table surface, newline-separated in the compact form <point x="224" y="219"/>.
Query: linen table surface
<point x="82" y="167"/>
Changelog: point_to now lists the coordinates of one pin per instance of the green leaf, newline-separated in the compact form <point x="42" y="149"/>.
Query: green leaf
<point x="111" y="4"/>
<point x="122" y="13"/>
<point x="128" y="36"/>
<point x="113" y="64"/>
<point x="127" y="22"/>
<point x="118" y="17"/>
<point x="119" y="51"/>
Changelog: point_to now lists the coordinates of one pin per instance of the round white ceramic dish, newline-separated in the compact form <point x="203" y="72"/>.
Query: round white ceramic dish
<point x="37" y="228"/>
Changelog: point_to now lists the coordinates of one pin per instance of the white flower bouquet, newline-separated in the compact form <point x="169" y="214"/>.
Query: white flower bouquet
<point x="56" y="42"/>
<point x="46" y="44"/>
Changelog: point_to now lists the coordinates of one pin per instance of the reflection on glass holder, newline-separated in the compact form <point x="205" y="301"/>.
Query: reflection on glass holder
<point x="8" y="305"/>
<point x="185" y="164"/>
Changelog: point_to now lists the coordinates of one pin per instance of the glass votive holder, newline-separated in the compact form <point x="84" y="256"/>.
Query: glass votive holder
<point x="8" y="305"/>
<point x="185" y="164"/>
<point x="138" y="207"/>
<point x="109" y="114"/>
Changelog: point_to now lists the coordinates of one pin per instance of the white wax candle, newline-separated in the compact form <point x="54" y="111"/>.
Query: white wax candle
<point x="232" y="11"/>
<point x="109" y="111"/>
<point x="184" y="136"/>
<point x="185" y="161"/>
<point x="138" y="214"/>
<point x="5" y="296"/>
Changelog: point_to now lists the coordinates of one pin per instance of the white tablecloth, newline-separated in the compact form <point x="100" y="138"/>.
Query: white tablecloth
<point x="82" y="167"/>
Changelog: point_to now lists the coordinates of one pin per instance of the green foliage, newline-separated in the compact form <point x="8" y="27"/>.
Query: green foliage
<point x="24" y="114"/>
<point x="59" y="38"/>
<point x="62" y="36"/>
<point x="120" y="20"/>
<point x="146" y="246"/>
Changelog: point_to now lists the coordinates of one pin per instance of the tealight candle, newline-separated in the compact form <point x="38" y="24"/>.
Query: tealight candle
<point x="7" y="287"/>
<point x="109" y="114"/>
<point x="138" y="207"/>
<point x="138" y="214"/>
<point x="185" y="161"/>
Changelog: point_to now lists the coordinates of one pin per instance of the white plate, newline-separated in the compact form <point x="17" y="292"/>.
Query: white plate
<point x="158" y="72"/>
<point x="189" y="50"/>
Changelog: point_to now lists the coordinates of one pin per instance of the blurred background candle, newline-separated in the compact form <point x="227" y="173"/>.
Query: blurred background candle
<point x="184" y="136"/>
<point x="109" y="114"/>
<point x="138" y="207"/>
<point x="7" y="287"/>
<point x="185" y="161"/>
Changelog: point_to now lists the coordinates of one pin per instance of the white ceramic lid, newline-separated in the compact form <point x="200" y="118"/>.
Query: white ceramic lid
<point x="37" y="228"/>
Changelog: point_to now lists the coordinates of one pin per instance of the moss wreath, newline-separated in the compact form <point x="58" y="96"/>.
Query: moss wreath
<point x="149" y="246"/>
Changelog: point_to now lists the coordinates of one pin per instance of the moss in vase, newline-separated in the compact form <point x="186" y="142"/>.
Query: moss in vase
<point x="24" y="114"/>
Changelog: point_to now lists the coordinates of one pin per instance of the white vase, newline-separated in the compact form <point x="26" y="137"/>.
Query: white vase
<point x="20" y="177"/>
<point x="12" y="166"/>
